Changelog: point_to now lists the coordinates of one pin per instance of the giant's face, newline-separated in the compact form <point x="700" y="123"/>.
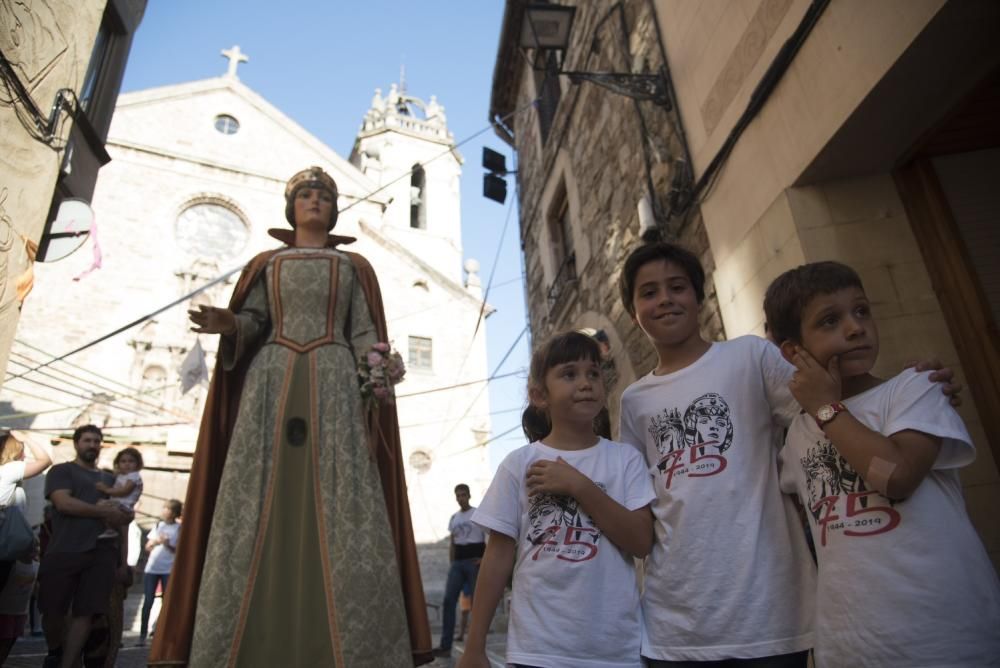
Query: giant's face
<point x="313" y="207"/>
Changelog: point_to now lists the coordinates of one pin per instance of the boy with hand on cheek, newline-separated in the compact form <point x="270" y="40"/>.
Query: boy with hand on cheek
<point x="903" y="577"/>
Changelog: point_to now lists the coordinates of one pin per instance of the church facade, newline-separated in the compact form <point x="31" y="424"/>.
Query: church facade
<point x="196" y="179"/>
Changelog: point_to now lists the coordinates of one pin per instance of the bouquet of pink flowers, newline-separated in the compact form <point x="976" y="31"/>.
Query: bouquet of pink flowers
<point x="379" y="370"/>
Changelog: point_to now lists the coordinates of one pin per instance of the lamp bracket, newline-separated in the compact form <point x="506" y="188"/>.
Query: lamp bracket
<point x="649" y="87"/>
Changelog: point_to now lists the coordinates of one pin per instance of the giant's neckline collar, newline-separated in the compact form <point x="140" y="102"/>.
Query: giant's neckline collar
<point x="287" y="236"/>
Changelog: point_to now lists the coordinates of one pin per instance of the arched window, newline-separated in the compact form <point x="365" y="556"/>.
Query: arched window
<point x="418" y="198"/>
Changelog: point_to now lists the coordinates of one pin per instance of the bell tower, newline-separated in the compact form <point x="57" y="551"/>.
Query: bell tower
<point x="404" y="145"/>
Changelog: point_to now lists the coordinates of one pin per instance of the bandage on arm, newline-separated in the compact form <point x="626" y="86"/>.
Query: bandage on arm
<point x="879" y="473"/>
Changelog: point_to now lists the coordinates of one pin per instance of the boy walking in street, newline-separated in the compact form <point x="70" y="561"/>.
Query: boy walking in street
<point x="468" y="542"/>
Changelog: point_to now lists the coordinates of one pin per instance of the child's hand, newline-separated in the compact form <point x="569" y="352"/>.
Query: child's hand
<point x="473" y="660"/>
<point x="102" y="488"/>
<point x="553" y="477"/>
<point x="940" y="374"/>
<point x="813" y="385"/>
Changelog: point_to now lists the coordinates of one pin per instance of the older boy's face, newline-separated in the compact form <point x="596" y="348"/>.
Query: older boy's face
<point x="463" y="496"/>
<point x="666" y="307"/>
<point x="841" y="324"/>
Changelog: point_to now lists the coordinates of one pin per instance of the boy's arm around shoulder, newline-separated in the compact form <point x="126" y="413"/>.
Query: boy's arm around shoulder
<point x="630" y="530"/>
<point x="494" y="573"/>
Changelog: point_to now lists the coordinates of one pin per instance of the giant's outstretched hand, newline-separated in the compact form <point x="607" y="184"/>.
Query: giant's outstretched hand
<point x="212" y="320"/>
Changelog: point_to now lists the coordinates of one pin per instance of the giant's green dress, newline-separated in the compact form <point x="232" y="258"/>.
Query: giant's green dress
<point x="301" y="568"/>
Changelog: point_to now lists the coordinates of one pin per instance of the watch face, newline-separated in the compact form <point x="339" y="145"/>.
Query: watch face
<point x="826" y="412"/>
<point x="211" y="231"/>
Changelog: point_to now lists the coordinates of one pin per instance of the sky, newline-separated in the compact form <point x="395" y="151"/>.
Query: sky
<point x="320" y="62"/>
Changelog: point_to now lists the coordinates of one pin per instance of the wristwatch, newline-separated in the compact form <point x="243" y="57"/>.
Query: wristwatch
<point x="826" y="413"/>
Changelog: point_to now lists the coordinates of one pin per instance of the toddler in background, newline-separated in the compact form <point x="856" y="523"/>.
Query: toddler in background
<point x="128" y="483"/>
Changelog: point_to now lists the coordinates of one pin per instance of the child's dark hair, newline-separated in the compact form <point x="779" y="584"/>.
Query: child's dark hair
<point x="129" y="451"/>
<point x="561" y="348"/>
<point x="789" y="294"/>
<point x="668" y="252"/>
<point x="175" y="507"/>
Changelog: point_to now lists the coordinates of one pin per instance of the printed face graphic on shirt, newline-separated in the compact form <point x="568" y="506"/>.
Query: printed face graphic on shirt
<point x="839" y="500"/>
<point x="707" y="423"/>
<point x="559" y="528"/>
<point x="692" y="446"/>
<point x="463" y="530"/>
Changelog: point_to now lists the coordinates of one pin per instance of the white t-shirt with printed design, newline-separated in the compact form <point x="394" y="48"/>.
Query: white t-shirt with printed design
<point x="462" y="529"/>
<point x="901" y="583"/>
<point x="576" y="598"/>
<point x="730" y="575"/>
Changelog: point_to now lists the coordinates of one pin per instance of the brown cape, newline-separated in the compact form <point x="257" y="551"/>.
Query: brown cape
<point x="175" y="628"/>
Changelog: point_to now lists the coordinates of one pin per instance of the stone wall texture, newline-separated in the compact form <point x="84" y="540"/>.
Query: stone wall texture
<point x="598" y="149"/>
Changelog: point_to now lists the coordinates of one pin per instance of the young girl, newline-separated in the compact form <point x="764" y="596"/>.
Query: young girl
<point x="128" y="483"/>
<point x="162" y="545"/>
<point x="566" y="513"/>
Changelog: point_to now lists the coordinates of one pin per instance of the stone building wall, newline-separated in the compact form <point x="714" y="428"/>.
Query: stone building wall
<point x="49" y="46"/>
<point x="595" y="150"/>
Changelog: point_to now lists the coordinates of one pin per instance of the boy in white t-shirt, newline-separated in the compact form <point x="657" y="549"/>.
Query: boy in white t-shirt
<point x="566" y="514"/>
<point x="903" y="577"/>
<point x="468" y="542"/>
<point x="730" y="578"/>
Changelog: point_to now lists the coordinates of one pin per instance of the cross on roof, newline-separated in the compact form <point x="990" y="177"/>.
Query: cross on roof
<point x="235" y="57"/>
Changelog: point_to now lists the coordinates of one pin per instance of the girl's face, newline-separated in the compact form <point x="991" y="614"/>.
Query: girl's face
<point x="574" y="391"/>
<point x="167" y="515"/>
<point x="127" y="464"/>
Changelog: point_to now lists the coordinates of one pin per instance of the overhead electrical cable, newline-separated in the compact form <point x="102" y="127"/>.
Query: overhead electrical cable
<point x="137" y="321"/>
<point x="493" y="376"/>
<point x="115" y="394"/>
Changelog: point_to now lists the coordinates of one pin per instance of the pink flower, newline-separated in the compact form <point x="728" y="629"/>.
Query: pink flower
<point x="374" y="359"/>
<point x="381" y="347"/>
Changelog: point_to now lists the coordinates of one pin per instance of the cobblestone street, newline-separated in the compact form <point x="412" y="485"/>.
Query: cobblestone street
<point x="30" y="650"/>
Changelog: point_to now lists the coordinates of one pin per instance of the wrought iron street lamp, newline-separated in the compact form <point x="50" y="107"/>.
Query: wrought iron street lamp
<point x="547" y="27"/>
